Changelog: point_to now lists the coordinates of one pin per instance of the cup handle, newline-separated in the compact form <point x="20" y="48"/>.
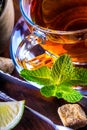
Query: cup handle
<point x="36" y="37"/>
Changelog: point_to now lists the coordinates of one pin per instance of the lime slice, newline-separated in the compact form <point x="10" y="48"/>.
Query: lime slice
<point x="10" y="114"/>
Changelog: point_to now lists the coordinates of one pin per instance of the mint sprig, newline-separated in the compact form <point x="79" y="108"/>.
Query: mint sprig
<point x="59" y="80"/>
<point x="62" y="91"/>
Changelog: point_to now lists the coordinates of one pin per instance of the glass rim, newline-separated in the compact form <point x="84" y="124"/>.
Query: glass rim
<point x="48" y="30"/>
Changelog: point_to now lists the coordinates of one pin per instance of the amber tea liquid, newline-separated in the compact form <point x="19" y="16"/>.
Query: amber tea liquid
<point x="64" y="16"/>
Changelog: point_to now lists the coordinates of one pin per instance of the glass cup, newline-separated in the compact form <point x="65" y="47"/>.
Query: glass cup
<point x="58" y="26"/>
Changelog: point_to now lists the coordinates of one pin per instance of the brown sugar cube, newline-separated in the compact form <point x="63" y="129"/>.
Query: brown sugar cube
<point x="72" y="115"/>
<point x="6" y="65"/>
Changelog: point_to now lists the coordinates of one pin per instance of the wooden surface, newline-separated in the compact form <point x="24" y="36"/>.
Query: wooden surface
<point x="33" y="98"/>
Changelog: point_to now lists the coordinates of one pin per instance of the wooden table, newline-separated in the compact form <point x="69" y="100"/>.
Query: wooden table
<point x="33" y="98"/>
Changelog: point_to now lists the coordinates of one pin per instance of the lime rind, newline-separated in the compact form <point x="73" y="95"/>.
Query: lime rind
<point x="11" y="113"/>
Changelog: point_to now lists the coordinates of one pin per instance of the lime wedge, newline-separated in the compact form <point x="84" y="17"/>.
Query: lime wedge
<point x="10" y="114"/>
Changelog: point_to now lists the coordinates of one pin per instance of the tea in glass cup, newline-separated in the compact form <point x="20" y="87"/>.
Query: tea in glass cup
<point x="58" y="26"/>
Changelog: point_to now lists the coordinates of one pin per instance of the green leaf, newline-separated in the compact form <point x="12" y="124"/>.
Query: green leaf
<point x="48" y="91"/>
<point x="73" y="96"/>
<point x="62" y="69"/>
<point x="68" y="93"/>
<point x="80" y="75"/>
<point x="40" y="76"/>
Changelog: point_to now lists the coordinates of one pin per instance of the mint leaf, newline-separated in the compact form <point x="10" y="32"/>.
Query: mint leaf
<point x="48" y="91"/>
<point x="62" y="69"/>
<point x="68" y="93"/>
<point x="62" y="91"/>
<point x="40" y="76"/>
<point x="73" y="96"/>
<point x="80" y="75"/>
